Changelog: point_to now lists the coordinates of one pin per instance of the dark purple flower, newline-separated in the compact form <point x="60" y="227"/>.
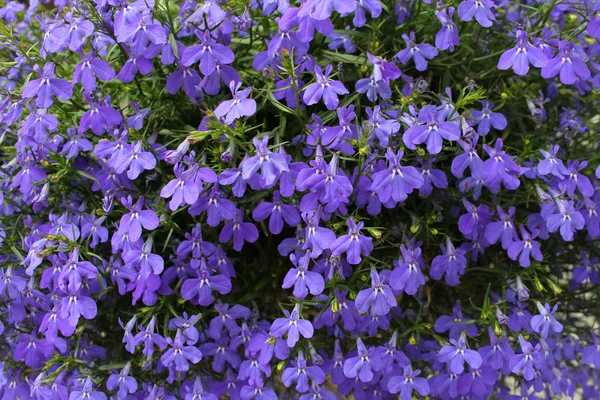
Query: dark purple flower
<point x="407" y="382"/>
<point x="486" y="118"/>
<point x="456" y="354"/>
<point x="353" y="244"/>
<point x="379" y="296"/>
<point x="420" y="53"/>
<point x="240" y="106"/>
<point x="525" y="248"/>
<point x="545" y="321"/>
<point x="521" y="55"/>
<point x="324" y="88"/>
<point x="300" y="373"/>
<point x="303" y="280"/>
<point x="452" y="264"/>
<point x="180" y="354"/>
<point x="46" y="87"/>
<point x="363" y="364"/>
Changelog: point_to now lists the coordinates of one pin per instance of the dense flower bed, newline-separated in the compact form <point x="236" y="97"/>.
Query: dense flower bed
<point x="270" y="199"/>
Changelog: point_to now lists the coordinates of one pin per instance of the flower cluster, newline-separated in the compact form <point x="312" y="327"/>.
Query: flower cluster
<point x="270" y="199"/>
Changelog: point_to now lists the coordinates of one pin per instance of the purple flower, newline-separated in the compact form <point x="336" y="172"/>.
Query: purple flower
<point x="91" y="68"/>
<point x="293" y="325"/>
<point x="209" y="52"/>
<point x="255" y="390"/>
<point x="551" y="164"/>
<point x="270" y="163"/>
<point x="407" y="275"/>
<point x="322" y="9"/>
<point x="379" y="296"/>
<point x="324" y="88"/>
<point x="277" y="212"/>
<point x="240" y="106"/>
<point x="500" y="168"/>
<point x="75" y="304"/>
<point x="353" y="244"/>
<point x="480" y="9"/>
<point x="525" y="248"/>
<point x="407" y="382"/>
<point x="430" y="130"/>
<point x="526" y="362"/>
<point x="545" y="321"/>
<point x="122" y="380"/>
<point x="576" y="180"/>
<point x="140" y="31"/>
<point x="447" y="37"/>
<point x="363" y="364"/>
<point x="197" y="392"/>
<point x="300" y="373"/>
<point x="486" y="118"/>
<point x="180" y="354"/>
<point x="87" y="392"/>
<point x="46" y="87"/>
<point x="498" y="353"/>
<point x="383" y="128"/>
<point x="568" y="220"/>
<point x="100" y="118"/>
<point x="420" y="53"/>
<point x="520" y="56"/>
<point x="468" y="159"/>
<point x="200" y="288"/>
<point x="396" y="182"/>
<point x="303" y="280"/>
<point x="241" y="231"/>
<point x="456" y="354"/>
<point x="452" y="263"/>
<point x="568" y="63"/>
<point x="217" y="207"/>
<point x="132" y="222"/>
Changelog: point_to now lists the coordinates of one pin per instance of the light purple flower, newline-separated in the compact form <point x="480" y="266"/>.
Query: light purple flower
<point x="240" y="106"/>
<point x="519" y="57"/>
<point x="324" y="88"/>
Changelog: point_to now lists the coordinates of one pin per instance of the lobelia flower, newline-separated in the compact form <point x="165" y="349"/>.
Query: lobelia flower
<point x="420" y="53"/>
<point x="544" y="322"/>
<point x="407" y="382"/>
<point x="503" y="229"/>
<point x="33" y="351"/>
<point x="455" y="323"/>
<point x="217" y="208"/>
<point x="576" y="180"/>
<point x="208" y="52"/>
<point x="142" y="258"/>
<point x="519" y="57"/>
<point x="132" y="66"/>
<point x="452" y="264"/>
<point x="591" y="353"/>
<point x="138" y="162"/>
<point x="186" y="77"/>
<point x="471" y="223"/>
<point x="431" y="177"/>
<point x="180" y="354"/>
<point x="353" y="244"/>
<point x="46" y="87"/>
<point x="293" y="325"/>
<point x="87" y="392"/>
<point x="528" y="361"/>
<point x="480" y="9"/>
<point x="197" y="392"/>
<point x="468" y="159"/>
<point x="396" y="182"/>
<point x="383" y="128"/>
<point x="75" y="304"/>
<point x="486" y="118"/>
<point x="303" y="280"/>
<point x="498" y="353"/>
<point x="277" y="212"/>
<point x="149" y="338"/>
<point x="256" y="391"/>
<point x="128" y="338"/>
<point x="300" y="373"/>
<point x="500" y="168"/>
<point x="200" y="288"/>
<point x="568" y="63"/>
<point x="226" y="319"/>
<point x="551" y="164"/>
<point x="100" y="118"/>
<point x="430" y="131"/>
<point x="324" y="88"/>
<point x="91" y="68"/>
<point x="456" y="354"/>
<point x="407" y="275"/>
<point x="374" y="7"/>
<point x="568" y="220"/>
<point x="270" y="163"/>
<point x="447" y="37"/>
<point x="122" y="380"/>
<point x="321" y="10"/>
<point x="141" y="30"/>
<point x="241" y="231"/>
<point x="363" y="364"/>
<point x="379" y="296"/>
<point x="132" y="222"/>
<point x="526" y="248"/>
<point x="240" y="106"/>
